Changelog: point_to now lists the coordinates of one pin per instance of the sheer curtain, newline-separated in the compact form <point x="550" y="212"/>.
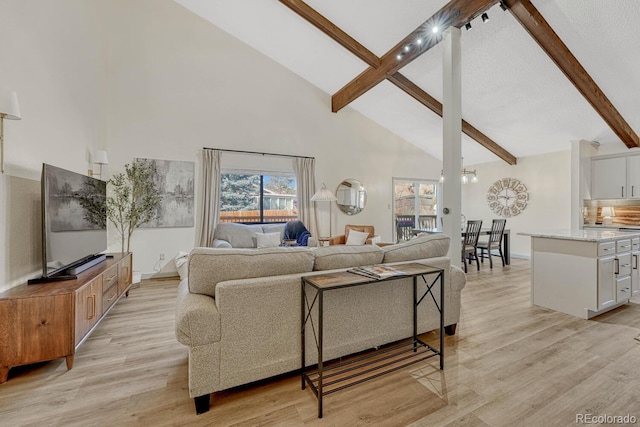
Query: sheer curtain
<point x="210" y="195"/>
<point x="305" y="169"/>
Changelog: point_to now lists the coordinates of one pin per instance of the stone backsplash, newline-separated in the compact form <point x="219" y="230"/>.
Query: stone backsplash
<point x="624" y="215"/>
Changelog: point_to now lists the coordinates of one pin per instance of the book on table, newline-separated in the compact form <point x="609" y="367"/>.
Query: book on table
<point x="377" y="271"/>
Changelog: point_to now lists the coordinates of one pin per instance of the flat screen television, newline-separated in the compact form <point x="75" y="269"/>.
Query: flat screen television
<point x="74" y="223"/>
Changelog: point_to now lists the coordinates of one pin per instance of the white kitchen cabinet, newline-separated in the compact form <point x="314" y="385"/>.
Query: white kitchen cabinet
<point x="584" y="272"/>
<point x="609" y="178"/>
<point x="635" y="268"/>
<point x="607" y="290"/>
<point x="615" y="177"/>
<point x="633" y="177"/>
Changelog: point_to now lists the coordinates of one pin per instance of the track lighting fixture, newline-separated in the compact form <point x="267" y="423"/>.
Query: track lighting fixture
<point x="467" y="26"/>
<point x="485" y="17"/>
<point x="503" y="6"/>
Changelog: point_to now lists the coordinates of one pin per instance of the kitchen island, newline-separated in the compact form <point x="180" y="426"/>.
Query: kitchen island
<point x="584" y="272"/>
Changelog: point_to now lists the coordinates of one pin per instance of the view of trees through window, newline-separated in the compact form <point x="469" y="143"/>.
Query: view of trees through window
<point x="258" y="198"/>
<point x="415" y="206"/>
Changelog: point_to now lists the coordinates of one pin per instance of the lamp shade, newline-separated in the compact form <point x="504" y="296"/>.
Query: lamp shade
<point x="9" y="108"/>
<point x="324" y="195"/>
<point x="607" y="211"/>
<point x="101" y="158"/>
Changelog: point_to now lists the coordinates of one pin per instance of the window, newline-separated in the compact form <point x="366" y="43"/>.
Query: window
<point x="257" y="198"/>
<point x="415" y="206"/>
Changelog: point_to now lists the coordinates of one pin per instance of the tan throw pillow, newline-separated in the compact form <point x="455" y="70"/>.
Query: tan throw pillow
<point x="357" y="238"/>
<point x="267" y="240"/>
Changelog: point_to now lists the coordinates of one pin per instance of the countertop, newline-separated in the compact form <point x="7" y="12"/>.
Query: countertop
<point x="613" y="226"/>
<point x="587" y="235"/>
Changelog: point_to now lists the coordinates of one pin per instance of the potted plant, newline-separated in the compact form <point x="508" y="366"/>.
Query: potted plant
<point x="133" y="198"/>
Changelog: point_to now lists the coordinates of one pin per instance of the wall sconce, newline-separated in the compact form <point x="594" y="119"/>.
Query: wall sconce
<point x="101" y="159"/>
<point x="9" y="109"/>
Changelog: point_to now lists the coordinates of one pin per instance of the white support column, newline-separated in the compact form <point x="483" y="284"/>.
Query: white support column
<point x="451" y="142"/>
<point x="581" y="153"/>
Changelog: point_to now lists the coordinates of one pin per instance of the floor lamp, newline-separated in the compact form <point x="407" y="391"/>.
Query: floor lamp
<point x="325" y="195"/>
<point x="8" y="110"/>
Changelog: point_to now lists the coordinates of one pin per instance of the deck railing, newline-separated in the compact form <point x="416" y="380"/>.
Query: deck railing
<point x="406" y="223"/>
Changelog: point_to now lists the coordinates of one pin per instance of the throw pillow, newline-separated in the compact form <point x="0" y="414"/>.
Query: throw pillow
<point x="267" y="240"/>
<point x="357" y="238"/>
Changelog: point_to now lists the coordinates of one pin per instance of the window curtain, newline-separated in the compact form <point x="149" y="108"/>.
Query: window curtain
<point x="210" y="195"/>
<point x="305" y="169"/>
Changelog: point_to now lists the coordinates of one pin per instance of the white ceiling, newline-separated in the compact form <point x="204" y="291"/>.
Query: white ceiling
<point x="512" y="91"/>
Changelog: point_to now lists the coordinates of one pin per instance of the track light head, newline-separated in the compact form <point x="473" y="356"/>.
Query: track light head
<point x="467" y="26"/>
<point x="485" y="17"/>
<point x="503" y="6"/>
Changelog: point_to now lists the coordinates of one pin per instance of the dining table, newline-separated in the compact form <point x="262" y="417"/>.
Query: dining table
<point x="506" y="239"/>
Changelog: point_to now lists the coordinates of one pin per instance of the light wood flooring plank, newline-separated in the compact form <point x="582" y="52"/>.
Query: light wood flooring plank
<point x="509" y="364"/>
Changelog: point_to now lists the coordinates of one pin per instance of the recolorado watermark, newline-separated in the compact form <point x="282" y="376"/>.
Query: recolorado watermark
<point x="605" y="419"/>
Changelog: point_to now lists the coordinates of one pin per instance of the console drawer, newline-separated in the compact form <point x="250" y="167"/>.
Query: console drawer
<point x="110" y="277"/>
<point x="109" y="297"/>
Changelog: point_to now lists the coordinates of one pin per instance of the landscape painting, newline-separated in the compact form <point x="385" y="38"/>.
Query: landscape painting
<point x="175" y="179"/>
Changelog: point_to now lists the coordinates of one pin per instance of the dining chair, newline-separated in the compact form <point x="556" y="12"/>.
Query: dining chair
<point x="470" y="243"/>
<point x="494" y="242"/>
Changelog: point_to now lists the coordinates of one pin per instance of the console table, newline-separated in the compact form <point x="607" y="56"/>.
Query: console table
<point x="51" y="320"/>
<point x="384" y="360"/>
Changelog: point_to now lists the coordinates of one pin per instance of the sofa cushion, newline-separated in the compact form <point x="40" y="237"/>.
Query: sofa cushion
<point x="274" y="228"/>
<point x="210" y="266"/>
<point x="268" y="240"/>
<point x="356" y="237"/>
<point x="339" y="256"/>
<point x="427" y="246"/>
<point x="238" y="235"/>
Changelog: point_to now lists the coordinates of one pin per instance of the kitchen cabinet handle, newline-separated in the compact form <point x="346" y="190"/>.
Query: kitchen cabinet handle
<point x="635" y="257"/>
<point x="632" y="190"/>
<point x="617" y="266"/>
<point x="622" y="190"/>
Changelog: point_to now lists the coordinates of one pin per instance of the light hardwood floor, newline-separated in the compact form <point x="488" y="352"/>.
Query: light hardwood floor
<point x="508" y="364"/>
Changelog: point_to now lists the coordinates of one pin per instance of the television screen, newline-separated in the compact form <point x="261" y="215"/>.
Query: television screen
<point x="74" y="219"/>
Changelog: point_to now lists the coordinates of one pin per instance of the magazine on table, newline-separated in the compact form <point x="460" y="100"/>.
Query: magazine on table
<point x="377" y="271"/>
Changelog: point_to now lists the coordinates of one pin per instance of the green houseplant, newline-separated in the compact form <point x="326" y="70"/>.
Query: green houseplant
<point x="133" y="198"/>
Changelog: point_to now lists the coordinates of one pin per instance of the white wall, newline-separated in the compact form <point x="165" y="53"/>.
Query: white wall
<point x="179" y="84"/>
<point x="548" y="179"/>
<point x="148" y="78"/>
<point x="54" y="57"/>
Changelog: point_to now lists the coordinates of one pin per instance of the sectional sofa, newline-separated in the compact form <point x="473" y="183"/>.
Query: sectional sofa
<point x="238" y="311"/>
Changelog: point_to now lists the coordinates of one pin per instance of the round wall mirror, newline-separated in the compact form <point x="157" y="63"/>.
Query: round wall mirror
<point x="351" y="196"/>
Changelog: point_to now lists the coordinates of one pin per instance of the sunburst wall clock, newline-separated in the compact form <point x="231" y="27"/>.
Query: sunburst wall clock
<point x="507" y="197"/>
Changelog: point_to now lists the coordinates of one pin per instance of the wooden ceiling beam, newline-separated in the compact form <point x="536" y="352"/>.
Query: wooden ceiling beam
<point x="430" y="102"/>
<point x="535" y="24"/>
<point x="329" y="28"/>
<point x="456" y="13"/>
<point x="413" y="90"/>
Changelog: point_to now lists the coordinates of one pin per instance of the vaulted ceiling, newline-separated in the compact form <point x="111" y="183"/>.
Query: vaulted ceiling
<point x="534" y="77"/>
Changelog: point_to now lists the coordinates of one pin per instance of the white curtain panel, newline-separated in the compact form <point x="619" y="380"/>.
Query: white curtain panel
<point x="305" y="169"/>
<point x="210" y="195"/>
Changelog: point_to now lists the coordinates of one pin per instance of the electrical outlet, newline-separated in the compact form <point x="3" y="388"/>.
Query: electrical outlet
<point x="161" y="257"/>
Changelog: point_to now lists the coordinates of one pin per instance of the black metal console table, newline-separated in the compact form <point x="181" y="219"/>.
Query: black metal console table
<point x="325" y="380"/>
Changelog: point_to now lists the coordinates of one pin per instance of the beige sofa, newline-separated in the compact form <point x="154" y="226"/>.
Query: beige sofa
<point x="235" y="235"/>
<point x="238" y="311"/>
